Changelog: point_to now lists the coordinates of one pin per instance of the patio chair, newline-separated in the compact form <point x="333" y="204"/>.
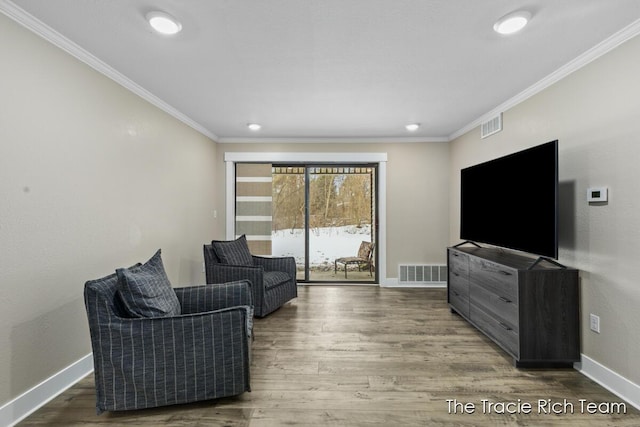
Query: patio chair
<point x="362" y="260"/>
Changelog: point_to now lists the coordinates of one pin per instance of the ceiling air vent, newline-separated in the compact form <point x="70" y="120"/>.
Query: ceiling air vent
<point x="491" y="126"/>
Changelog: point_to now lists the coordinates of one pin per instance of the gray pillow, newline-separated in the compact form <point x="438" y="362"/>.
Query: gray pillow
<point x="146" y="290"/>
<point x="234" y="252"/>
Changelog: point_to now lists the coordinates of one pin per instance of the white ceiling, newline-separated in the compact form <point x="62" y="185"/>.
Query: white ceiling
<point x="332" y="69"/>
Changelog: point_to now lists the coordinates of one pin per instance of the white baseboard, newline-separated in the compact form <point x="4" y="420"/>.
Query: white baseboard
<point x="28" y="402"/>
<point x="394" y="283"/>
<point x="612" y="381"/>
<point x="311" y="284"/>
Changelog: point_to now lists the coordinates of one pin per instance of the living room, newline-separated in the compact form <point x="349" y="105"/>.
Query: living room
<point x="94" y="177"/>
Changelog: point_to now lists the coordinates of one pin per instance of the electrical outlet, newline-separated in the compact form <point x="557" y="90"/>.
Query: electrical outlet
<point x="594" y="323"/>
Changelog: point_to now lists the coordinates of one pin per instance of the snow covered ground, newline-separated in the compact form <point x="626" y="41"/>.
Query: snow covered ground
<point x="325" y="244"/>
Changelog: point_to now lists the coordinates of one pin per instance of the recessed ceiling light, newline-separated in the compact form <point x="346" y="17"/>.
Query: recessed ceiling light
<point x="254" y="126"/>
<point x="163" y="23"/>
<point x="412" y="127"/>
<point x="512" y="23"/>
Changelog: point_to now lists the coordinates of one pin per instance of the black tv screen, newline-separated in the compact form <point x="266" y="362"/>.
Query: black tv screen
<point x="512" y="201"/>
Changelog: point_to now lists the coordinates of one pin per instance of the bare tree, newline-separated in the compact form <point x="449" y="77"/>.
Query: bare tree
<point x="333" y="199"/>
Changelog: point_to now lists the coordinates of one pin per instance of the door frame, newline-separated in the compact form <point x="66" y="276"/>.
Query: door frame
<point x="231" y="158"/>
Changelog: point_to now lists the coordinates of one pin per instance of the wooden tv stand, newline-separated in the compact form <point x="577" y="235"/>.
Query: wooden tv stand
<point x="529" y="308"/>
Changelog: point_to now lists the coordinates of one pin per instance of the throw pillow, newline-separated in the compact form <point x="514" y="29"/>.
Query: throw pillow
<point x="234" y="252"/>
<point x="146" y="290"/>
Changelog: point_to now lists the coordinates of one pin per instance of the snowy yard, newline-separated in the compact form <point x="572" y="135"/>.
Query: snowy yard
<point x="325" y="244"/>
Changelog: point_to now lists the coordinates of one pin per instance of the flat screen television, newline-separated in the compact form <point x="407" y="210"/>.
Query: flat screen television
<point x="512" y="201"/>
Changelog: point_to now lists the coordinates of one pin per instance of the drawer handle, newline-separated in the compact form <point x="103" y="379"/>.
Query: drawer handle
<point x="455" y="274"/>
<point x="505" y="327"/>
<point x="505" y="273"/>
<point x="503" y="299"/>
<point x="455" y="293"/>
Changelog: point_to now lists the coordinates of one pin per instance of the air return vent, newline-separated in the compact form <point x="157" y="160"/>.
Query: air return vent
<point x="433" y="274"/>
<point x="491" y="126"/>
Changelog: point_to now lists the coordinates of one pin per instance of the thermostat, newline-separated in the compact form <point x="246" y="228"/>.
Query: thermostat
<point x="597" y="194"/>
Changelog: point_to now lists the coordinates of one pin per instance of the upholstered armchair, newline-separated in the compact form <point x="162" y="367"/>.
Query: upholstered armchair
<point x="148" y="356"/>
<point x="273" y="280"/>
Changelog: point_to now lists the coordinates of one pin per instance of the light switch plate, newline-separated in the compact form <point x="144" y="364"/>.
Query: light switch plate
<point x="597" y="194"/>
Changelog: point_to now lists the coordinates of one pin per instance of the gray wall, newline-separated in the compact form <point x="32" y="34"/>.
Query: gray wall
<point x="595" y="114"/>
<point x="92" y="178"/>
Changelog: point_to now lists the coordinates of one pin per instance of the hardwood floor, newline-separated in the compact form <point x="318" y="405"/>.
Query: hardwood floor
<point x="363" y="355"/>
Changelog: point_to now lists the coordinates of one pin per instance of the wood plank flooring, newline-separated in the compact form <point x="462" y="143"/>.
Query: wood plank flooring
<point x="363" y="356"/>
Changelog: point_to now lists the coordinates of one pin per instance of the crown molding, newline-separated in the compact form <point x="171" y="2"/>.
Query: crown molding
<point x="331" y="140"/>
<point x="33" y="24"/>
<point x="607" y="45"/>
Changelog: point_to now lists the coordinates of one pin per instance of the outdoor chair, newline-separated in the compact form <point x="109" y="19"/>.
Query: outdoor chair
<point x="273" y="280"/>
<point x="364" y="259"/>
<point x="154" y="345"/>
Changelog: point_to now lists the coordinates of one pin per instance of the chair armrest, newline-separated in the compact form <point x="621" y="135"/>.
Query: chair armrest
<point x="286" y="264"/>
<point x="199" y="299"/>
<point x="223" y="273"/>
<point x="145" y="329"/>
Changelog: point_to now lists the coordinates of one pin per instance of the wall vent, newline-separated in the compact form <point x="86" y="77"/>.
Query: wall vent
<point x="422" y="274"/>
<point x="491" y="126"/>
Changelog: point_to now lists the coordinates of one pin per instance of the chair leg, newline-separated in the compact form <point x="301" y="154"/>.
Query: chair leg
<point x="335" y="268"/>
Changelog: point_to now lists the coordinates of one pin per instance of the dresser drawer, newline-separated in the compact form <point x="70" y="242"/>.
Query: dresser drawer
<point x="501" y="308"/>
<point x="459" y="294"/>
<point x="499" y="331"/>
<point x="459" y="285"/>
<point x="458" y="264"/>
<point x="496" y="278"/>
